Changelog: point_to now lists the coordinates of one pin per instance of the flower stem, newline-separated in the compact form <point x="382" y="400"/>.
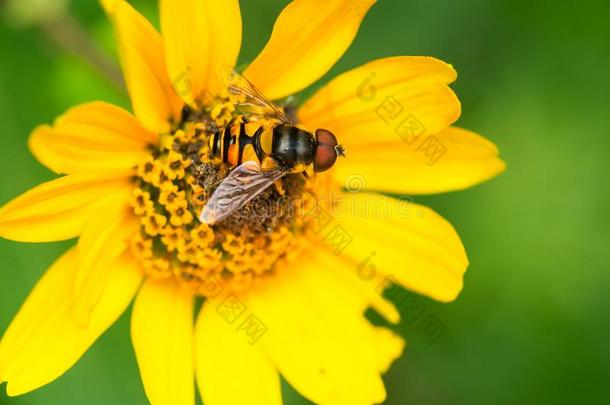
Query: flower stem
<point x="69" y="34"/>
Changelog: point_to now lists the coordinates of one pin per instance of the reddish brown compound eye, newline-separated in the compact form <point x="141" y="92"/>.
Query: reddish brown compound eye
<point x="324" y="136"/>
<point x="326" y="153"/>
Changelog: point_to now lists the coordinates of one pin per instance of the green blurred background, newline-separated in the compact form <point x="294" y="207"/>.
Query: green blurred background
<point x="533" y="322"/>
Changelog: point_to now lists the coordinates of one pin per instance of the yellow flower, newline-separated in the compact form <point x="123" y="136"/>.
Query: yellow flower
<point x="162" y="181"/>
<point x="203" y="235"/>
<point x="153" y="223"/>
<point x="149" y="170"/>
<point x="172" y="198"/>
<point x="174" y="237"/>
<point x="285" y="291"/>
<point x="180" y="216"/>
<point x="142" y="246"/>
<point x="188" y="252"/>
<point x="157" y="268"/>
<point x="141" y="202"/>
<point x="175" y="166"/>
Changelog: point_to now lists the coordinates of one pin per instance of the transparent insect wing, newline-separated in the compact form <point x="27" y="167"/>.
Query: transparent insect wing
<point x="243" y="184"/>
<point x="254" y="104"/>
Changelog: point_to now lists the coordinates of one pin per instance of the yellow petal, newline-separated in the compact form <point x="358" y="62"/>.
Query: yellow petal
<point x="153" y="98"/>
<point x="58" y="209"/>
<point x="308" y="38"/>
<point x="43" y="341"/>
<point x="109" y="6"/>
<point x="453" y="159"/>
<point x="162" y="336"/>
<point x="201" y="37"/>
<point x="92" y="136"/>
<point x="385" y="100"/>
<point x="406" y="241"/>
<point x="225" y="359"/>
<point x="105" y="237"/>
<point x="319" y="339"/>
<point x="368" y="287"/>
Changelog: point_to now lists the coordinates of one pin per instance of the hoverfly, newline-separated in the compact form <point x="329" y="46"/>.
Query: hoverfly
<point x="265" y="146"/>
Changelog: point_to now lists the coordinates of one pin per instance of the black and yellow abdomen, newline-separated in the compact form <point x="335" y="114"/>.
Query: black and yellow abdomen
<point x="238" y="143"/>
<point x="288" y="146"/>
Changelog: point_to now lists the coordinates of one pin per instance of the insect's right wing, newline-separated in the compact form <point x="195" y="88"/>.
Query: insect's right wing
<point x="241" y="185"/>
<point x="254" y="104"/>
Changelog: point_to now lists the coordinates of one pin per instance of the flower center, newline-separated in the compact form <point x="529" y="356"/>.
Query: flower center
<point x="173" y="185"/>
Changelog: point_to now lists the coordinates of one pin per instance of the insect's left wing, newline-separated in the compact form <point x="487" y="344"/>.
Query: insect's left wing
<point x="253" y="104"/>
<point x="241" y="185"/>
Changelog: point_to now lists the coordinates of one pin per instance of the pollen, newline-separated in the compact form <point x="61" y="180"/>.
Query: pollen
<point x="173" y="185"/>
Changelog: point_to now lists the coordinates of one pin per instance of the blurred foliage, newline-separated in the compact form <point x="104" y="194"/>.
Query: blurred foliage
<point x="533" y="322"/>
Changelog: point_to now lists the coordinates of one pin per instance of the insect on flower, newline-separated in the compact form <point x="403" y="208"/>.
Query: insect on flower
<point x="275" y="257"/>
<point x="270" y="146"/>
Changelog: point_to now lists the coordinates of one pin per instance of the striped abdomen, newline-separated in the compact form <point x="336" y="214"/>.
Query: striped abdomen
<point x="238" y="143"/>
<point x="288" y="146"/>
